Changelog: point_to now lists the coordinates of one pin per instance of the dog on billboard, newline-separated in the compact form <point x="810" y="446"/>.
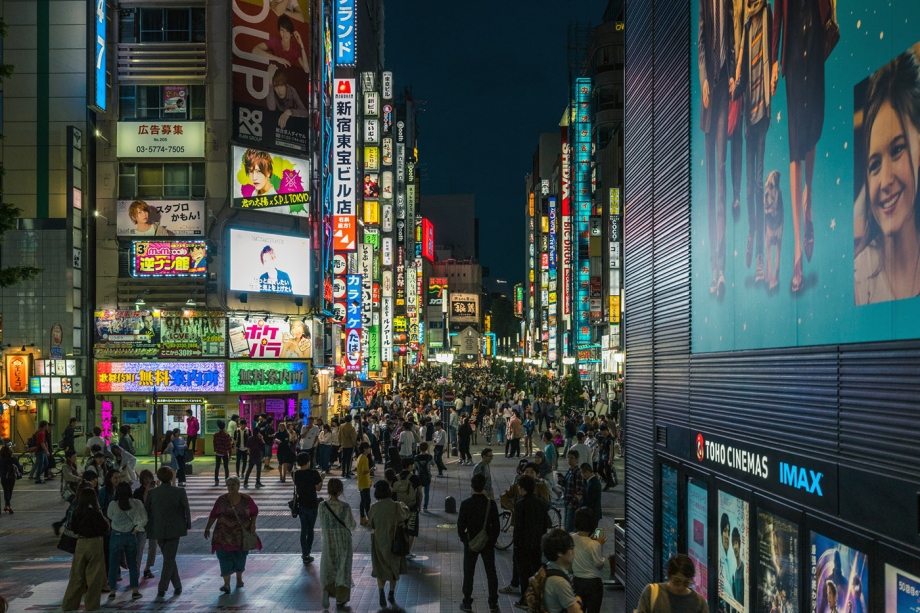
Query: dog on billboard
<point x="773" y="219"/>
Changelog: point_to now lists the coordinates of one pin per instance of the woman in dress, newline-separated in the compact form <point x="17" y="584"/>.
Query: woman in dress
<point x="887" y="264"/>
<point x="286" y="455"/>
<point x="148" y="482"/>
<point x="384" y="516"/>
<point x="337" y="524"/>
<point x="128" y="519"/>
<point x="87" y="570"/>
<point x="801" y="26"/>
<point x="233" y="512"/>
<point x="487" y="426"/>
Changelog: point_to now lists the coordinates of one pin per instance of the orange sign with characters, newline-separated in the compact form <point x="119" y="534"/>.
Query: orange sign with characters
<point x="17" y="373"/>
<point x="344" y="234"/>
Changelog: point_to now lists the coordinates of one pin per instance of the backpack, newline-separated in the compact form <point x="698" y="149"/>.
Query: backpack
<point x="534" y="594"/>
<point x="405" y="492"/>
<point x="423" y="469"/>
<point x="31" y="444"/>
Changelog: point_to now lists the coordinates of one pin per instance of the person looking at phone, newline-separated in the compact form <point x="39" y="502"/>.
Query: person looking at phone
<point x="588" y="583"/>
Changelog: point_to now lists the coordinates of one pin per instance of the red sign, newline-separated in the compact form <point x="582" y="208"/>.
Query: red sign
<point x="427" y="240"/>
<point x="344" y="233"/>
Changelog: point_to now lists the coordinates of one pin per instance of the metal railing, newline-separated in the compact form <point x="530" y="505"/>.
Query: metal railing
<point x="154" y="62"/>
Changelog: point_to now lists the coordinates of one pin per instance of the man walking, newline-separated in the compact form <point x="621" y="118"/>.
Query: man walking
<point x="573" y="490"/>
<point x="348" y="439"/>
<point x="482" y="468"/>
<point x="169" y="519"/>
<point x="67" y="439"/>
<point x="439" y="439"/>
<point x="592" y="495"/>
<point x="478" y="513"/>
<point x="531" y="522"/>
<point x="42" y="450"/>
<point x="309" y="436"/>
<point x="222" y="444"/>
<point x="192" y="428"/>
<point x="307" y="482"/>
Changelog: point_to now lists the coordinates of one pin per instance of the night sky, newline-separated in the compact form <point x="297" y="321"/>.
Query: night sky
<point x="493" y="76"/>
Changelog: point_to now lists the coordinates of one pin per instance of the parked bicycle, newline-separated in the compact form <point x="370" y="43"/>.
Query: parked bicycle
<point x="27" y="461"/>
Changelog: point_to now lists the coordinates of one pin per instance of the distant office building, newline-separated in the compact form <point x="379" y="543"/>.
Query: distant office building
<point x="454" y="216"/>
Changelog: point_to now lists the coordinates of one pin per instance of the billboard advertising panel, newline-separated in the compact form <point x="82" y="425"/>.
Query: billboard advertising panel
<point x="162" y="377"/>
<point x="581" y="204"/>
<point x="160" y="218"/>
<point x="169" y="259"/>
<point x="263" y="262"/>
<point x="271" y="74"/>
<point x="777" y="552"/>
<point x="839" y="272"/>
<point x="464" y="308"/>
<point x="427" y="240"/>
<point x="270" y="338"/>
<point x="697" y="530"/>
<point x="269" y="376"/>
<point x="436" y="287"/>
<point x="176" y="140"/>
<point x="344" y="188"/>
<point x="276" y="183"/>
<point x="839" y="576"/>
<point x="733" y="554"/>
<point x="159" y="334"/>
<point x="345" y="25"/>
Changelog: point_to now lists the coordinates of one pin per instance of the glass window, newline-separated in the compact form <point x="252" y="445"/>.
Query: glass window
<point x="151" y="26"/>
<point x="159" y="25"/>
<point x="145" y="102"/>
<point x="169" y="181"/>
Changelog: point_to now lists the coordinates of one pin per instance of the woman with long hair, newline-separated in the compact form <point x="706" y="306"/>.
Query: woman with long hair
<point x="87" y="570"/>
<point x="337" y="524"/>
<point x="233" y="512"/>
<point x="148" y="482"/>
<point x="128" y="519"/>
<point x="385" y="515"/>
<point x="887" y="264"/>
<point x="10" y="471"/>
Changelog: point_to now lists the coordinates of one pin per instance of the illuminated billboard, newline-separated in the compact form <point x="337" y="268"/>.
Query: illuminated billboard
<point x="344" y="188"/>
<point x="160" y="218"/>
<point x="464" y="308"/>
<point x="276" y="183"/>
<point x="169" y="259"/>
<point x="268" y="263"/>
<point x="427" y="240"/>
<point x="162" y="377"/>
<point x="581" y="197"/>
<point x="249" y="376"/>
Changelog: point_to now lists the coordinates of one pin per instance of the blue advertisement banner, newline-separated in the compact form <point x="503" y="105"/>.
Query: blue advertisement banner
<point x="345" y="32"/>
<point x="805" y="149"/>
<point x="581" y="172"/>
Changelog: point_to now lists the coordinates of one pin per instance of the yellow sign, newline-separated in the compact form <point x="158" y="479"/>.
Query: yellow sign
<point x="531" y="205"/>
<point x="544" y="224"/>
<point x="371" y="212"/>
<point x="487" y="323"/>
<point x="614" y="200"/>
<point x="614" y="309"/>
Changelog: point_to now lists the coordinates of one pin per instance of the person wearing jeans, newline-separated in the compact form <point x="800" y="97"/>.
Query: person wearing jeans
<point x="307" y="482"/>
<point x="256" y="446"/>
<point x="193" y="427"/>
<point x="222" y="444"/>
<point x="439" y="440"/>
<point x="128" y="517"/>
<point x="476" y="512"/>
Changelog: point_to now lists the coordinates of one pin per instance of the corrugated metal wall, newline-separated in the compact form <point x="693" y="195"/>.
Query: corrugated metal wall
<point x="856" y="405"/>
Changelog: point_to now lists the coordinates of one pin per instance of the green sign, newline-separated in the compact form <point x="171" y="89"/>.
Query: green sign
<point x="251" y="376"/>
<point x="373" y="342"/>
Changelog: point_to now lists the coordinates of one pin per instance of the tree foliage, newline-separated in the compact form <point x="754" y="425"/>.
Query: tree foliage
<point x="9" y="213"/>
<point x="520" y="380"/>
<point x="573" y="392"/>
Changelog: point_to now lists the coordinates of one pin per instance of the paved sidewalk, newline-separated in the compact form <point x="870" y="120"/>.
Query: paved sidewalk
<point x="33" y="573"/>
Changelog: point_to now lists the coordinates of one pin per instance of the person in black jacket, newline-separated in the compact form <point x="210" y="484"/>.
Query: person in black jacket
<point x="592" y="498"/>
<point x="470" y="522"/>
<point x="531" y="522"/>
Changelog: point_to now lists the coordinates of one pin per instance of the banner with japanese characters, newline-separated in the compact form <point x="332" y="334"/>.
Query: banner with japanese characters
<point x="192" y="334"/>
<point x="344" y="188"/>
<point x="159" y="334"/>
<point x="158" y="259"/>
<point x="271" y="182"/>
<point x="353" y="349"/>
<point x="270" y="338"/>
<point x="143" y="139"/>
<point x="160" y="218"/>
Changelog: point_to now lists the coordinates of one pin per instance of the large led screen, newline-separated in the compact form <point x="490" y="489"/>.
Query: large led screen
<point x="777" y="564"/>
<point x="804" y="166"/>
<point x="262" y="262"/>
<point x="732" y="547"/>
<point x="839" y="576"/>
<point x="271" y="182"/>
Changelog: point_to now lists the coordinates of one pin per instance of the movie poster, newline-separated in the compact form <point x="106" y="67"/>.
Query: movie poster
<point x="271" y="74"/>
<point x="839" y="577"/>
<point x="733" y="554"/>
<point x="902" y="591"/>
<point x="697" y="531"/>
<point x="668" y="515"/>
<point x="804" y="171"/>
<point x="777" y="564"/>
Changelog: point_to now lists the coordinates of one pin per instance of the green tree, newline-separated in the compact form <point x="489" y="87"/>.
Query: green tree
<point x="9" y="213"/>
<point x="543" y="385"/>
<point x="572" y="393"/>
<point x="520" y="380"/>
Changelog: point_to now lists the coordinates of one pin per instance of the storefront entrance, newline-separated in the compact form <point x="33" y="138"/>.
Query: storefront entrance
<point x="277" y="408"/>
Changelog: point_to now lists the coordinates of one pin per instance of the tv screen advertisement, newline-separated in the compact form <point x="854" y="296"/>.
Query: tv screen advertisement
<point x="271" y="182"/>
<point x="267" y="263"/>
<point x="697" y="533"/>
<point x="902" y="591"/>
<point x="796" y="239"/>
<point x="777" y="554"/>
<point x="839" y="576"/>
<point x="732" y="546"/>
<point x="271" y="74"/>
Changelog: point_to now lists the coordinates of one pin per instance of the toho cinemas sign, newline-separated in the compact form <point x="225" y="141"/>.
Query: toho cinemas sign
<point x="807" y="480"/>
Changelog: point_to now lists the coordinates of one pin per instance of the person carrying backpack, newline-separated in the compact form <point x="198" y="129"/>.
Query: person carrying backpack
<point x="551" y="589"/>
<point x="423" y="463"/>
<point x="408" y="491"/>
<point x="664" y="597"/>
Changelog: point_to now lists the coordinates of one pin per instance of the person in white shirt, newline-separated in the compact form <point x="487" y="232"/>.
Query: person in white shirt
<point x="128" y="517"/>
<point x="95" y="439"/>
<point x="588" y="581"/>
<point x="585" y="453"/>
<point x="407" y="441"/>
<point x="309" y="436"/>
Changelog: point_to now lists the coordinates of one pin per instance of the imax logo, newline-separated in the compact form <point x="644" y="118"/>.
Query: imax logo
<point x="250" y="122"/>
<point x="799" y="478"/>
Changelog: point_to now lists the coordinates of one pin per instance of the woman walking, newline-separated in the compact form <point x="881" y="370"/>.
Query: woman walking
<point x="240" y="439"/>
<point x="70" y="474"/>
<point x="87" y="570"/>
<point x="234" y="513"/>
<point x="180" y="453"/>
<point x="286" y="455"/>
<point x="128" y="519"/>
<point x="148" y="482"/>
<point x="464" y="433"/>
<point x="337" y="524"/>
<point x="10" y="471"/>
<point x="256" y="446"/>
<point x="385" y="515"/>
<point x="324" y="449"/>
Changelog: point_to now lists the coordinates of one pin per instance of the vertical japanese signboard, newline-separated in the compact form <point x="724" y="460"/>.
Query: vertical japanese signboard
<point x="566" y="284"/>
<point x="344" y="234"/>
<point x="366" y="269"/>
<point x="353" y="361"/>
<point x="97" y="97"/>
<point x="345" y="25"/>
<point x="581" y="131"/>
<point x="386" y="325"/>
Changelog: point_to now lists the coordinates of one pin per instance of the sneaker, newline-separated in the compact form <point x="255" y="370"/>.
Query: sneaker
<point x="466" y="607"/>
<point x="521" y="605"/>
<point x="307" y="559"/>
<point x="510" y="589"/>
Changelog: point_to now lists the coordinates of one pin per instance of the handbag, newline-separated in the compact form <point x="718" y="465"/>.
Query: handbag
<point x="479" y="542"/>
<point x="294" y="504"/>
<point x="67" y="542"/>
<point x="250" y="540"/>
<point x="400" y="545"/>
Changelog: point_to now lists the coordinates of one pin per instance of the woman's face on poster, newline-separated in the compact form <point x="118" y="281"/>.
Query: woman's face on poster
<point x="891" y="175"/>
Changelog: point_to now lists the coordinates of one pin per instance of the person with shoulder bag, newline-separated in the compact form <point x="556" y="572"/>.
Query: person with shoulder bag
<point x="235" y="535"/>
<point x="408" y="490"/>
<point x="675" y="594"/>
<point x="385" y="519"/>
<point x="87" y="570"/>
<point x="337" y="524"/>
<point x="478" y="527"/>
<point x="10" y="472"/>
